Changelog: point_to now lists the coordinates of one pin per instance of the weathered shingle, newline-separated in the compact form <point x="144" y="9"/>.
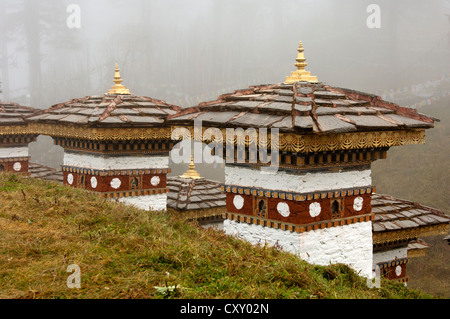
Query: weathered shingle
<point x="108" y="110"/>
<point x="355" y="111"/>
<point x="193" y="194"/>
<point x="393" y="214"/>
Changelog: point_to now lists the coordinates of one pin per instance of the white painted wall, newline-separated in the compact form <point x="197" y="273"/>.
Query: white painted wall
<point x="13" y="152"/>
<point x="389" y="255"/>
<point x="147" y="202"/>
<point x="348" y="244"/>
<point x="115" y="162"/>
<point x="296" y="182"/>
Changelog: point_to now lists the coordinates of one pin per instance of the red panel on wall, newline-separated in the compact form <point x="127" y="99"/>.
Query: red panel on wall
<point x="247" y="207"/>
<point x="299" y="211"/>
<point x="9" y="166"/>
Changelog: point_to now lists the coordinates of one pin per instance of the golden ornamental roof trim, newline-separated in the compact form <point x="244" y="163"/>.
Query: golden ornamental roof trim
<point x="118" y="87"/>
<point x="191" y="172"/>
<point x="300" y="74"/>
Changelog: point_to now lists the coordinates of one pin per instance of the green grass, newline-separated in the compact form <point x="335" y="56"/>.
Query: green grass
<point x="124" y="252"/>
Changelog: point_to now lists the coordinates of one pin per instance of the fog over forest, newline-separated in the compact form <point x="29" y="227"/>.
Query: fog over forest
<point x="190" y="51"/>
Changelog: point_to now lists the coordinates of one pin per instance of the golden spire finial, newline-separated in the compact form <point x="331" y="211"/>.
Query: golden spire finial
<point x="118" y="88"/>
<point x="191" y="172"/>
<point x="300" y="74"/>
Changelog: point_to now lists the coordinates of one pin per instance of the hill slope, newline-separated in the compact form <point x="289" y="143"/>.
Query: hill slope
<point x="125" y="252"/>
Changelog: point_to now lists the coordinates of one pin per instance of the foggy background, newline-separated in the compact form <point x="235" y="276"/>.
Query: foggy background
<point x="189" y="51"/>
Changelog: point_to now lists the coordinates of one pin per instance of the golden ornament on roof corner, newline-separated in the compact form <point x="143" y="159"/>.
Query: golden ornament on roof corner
<point x="300" y="74"/>
<point x="191" y="172"/>
<point x="118" y="88"/>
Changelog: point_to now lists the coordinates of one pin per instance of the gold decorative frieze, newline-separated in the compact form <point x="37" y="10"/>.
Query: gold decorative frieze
<point x="90" y="133"/>
<point x="417" y="253"/>
<point x="386" y="237"/>
<point x="196" y="214"/>
<point x="296" y="143"/>
<point x="15" y="130"/>
<point x="289" y="142"/>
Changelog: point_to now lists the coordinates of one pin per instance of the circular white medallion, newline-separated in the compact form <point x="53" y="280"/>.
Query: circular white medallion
<point x="283" y="209"/>
<point x="398" y="270"/>
<point x="17" y="166"/>
<point x="94" y="182"/>
<point x="115" y="183"/>
<point x="314" y="209"/>
<point x="238" y="201"/>
<point x="358" y="203"/>
<point x="70" y="179"/>
<point x="155" y="180"/>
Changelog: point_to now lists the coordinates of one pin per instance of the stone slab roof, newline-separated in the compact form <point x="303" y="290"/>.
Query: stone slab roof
<point x="109" y="110"/>
<point x="303" y="107"/>
<point x="392" y="214"/>
<point x="14" y="114"/>
<point x="43" y="172"/>
<point x="194" y="194"/>
<point x="418" y="244"/>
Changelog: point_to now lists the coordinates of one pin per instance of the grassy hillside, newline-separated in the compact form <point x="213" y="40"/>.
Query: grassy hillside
<point x="421" y="173"/>
<point x="125" y="253"/>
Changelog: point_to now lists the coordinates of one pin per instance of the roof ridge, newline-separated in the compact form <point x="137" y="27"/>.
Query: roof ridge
<point x="111" y="107"/>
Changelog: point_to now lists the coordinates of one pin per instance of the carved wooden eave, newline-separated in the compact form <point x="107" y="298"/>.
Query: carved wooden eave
<point x="14" y="127"/>
<point x="16" y="135"/>
<point x="202" y="215"/>
<point x="291" y="142"/>
<point x="89" y="133"/>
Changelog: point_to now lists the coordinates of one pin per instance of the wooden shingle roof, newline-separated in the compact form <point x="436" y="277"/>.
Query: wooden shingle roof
<point x="187" y="194"/>
<point x="417" y="248"/>
<point x="109" y="110"/>
<point x="303" y="107"/>
<point x="14" y="114"/>
<point x="406" y="217"/>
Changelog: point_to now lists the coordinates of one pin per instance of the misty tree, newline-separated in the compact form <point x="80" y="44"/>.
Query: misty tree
<point x="4" y="55"/>
<point x="38" y="28"/>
